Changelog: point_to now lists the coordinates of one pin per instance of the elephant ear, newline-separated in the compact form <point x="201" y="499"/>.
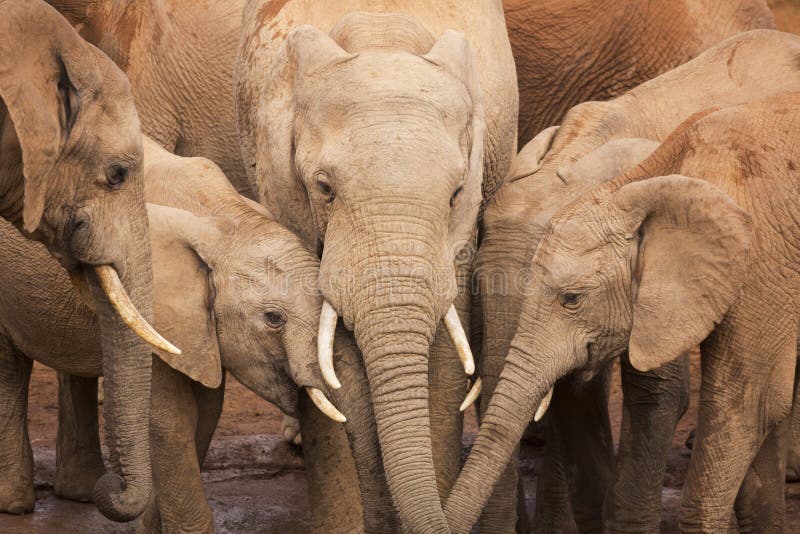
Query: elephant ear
<point x="607" y="162"/>
<point x="37" y="93"/>
<point x="304" y="52"/>
<point x="690" y="266"/>
<point x="184" y="292"/>
<point x="452" y="53"/>
<point x="530" y="158"/>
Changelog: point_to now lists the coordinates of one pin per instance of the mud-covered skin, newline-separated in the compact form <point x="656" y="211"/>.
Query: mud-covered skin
<point x="179" y="56"/>
<point x="516" y="218"/>
<point x="354" y="104"/>
<point x="573" y="51"/>
<point x="735" y="220"/>
<point x="208" y="242"/>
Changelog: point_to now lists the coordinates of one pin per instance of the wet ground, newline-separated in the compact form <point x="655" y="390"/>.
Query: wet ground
<point x="255" y="481"/>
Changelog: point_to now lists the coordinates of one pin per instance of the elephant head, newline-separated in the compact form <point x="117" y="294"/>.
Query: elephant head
<point x="649" y="266"/>
<point x="71" y="177"/>
<point x="239" y="293"/>
<point x="374" y="151"/>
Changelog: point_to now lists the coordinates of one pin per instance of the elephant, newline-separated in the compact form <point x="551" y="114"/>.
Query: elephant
<point x="635" y="41"/>
<point x="71" y="178"/>
<point x="572" y="51"/>
<point x="540" y="184"/>
<point x="233" y="286"/>
<point x="692" y="246"/>
<point x="179" y="56"/>
<point x="377" y="143"/>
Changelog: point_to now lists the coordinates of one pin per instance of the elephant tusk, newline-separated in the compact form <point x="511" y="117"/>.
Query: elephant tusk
<point x="472" y="395"/>
<point x="327" y="328"/>
<point x="324" y="405"/>
<point x="456" y="331"/>
<point x="119" y="299"/>
<point x="543" y="406"/>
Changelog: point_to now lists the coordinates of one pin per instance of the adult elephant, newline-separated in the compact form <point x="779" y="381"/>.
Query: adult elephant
<point x="71" y="177"/>
<point x="730" y="74"/>
<point x="655" y="248"/>
<point x="372" y="129"/>
<point x="568" y="52"/>
<point x="179" y="56"/>
<point x="573" y="51"/>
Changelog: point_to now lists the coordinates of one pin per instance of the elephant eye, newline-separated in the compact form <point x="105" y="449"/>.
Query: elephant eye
<point x="325" y="188"/>
<point x="274" y="319"/>
<point x="116" y="176"/>
<point x="570" y="299"/>
<point x="455" y="195"/>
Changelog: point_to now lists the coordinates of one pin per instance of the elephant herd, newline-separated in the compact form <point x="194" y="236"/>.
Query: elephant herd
<point x="333" y="201"/>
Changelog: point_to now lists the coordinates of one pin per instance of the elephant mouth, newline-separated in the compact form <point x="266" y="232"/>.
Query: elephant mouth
<point x="107" y="279"/>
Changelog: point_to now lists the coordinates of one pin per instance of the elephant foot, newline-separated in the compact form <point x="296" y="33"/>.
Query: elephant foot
<point x="75" y="477"/>
<point x="16" y="499"/>
<point x="291" y="430"/>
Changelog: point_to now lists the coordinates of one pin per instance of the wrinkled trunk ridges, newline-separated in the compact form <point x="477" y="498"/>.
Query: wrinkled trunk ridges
<point x="123" y="493"/>
<point x="396" y="359"/>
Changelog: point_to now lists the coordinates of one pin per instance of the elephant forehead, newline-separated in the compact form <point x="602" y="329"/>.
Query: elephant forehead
<point x="387" y="81"/>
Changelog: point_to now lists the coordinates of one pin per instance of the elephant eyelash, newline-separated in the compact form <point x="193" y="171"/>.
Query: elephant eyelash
<point x="455" y="195"/>
<point x="570" y="299"/>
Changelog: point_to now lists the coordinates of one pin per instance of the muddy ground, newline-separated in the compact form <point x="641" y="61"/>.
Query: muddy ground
<point x="255" y="481"/>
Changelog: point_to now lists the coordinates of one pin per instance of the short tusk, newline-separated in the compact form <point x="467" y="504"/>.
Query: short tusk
<point x="327" y="329"/>
<point x="112" y="287"/>
<point x="472" y="395"/>
<point x="456" y="331"/>
<point x="543" y="406"/>
<point x="324" y="405"/>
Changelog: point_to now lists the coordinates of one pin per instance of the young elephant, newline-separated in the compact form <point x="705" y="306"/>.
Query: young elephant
<point x="541" y="183"/>
<point x="654" y="263"/>
<point x="234" y="287"/>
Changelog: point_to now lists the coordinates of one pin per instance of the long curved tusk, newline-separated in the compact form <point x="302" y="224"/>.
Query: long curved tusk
<point x="321" y="401"/>
<point x="327" y="329"/>
<point x="112" y="287"/>
<point x="472" y="395"/>
<point x="456" y="331"/>
<point x="543" y="406"/>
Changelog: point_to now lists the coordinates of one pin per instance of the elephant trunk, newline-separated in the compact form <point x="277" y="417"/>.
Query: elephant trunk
<point x="395" y="340"/>
<point x="524" y="383"/>
<point x="123" y="493"/>
<point x="500" y="265"/>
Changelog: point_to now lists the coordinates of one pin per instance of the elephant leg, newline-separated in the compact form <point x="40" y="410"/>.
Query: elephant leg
<point x="16" y="456"/>
<point x="448" y="384"/>
<point x="333" y="493"/>
<point x="209" y="408"/>
<point x="181" y="500"/>
<point x="579" y="457"/>
<point x="653" y="402"/>
<point x="761" y="502"/>
<point x="793" y="455"/>
<point x="79" y="462"/>
<point x="746" y="393"/>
